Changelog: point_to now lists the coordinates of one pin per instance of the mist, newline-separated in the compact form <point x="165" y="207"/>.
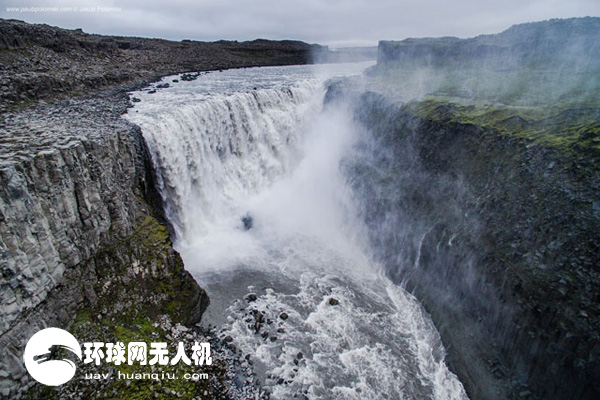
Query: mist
<point x="425" y="227"/>
<point x="524" y="65"/>
<point x="256" y="187"/>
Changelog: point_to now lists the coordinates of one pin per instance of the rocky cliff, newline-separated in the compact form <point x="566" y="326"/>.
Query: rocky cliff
<point x="551" y="43"/>
<point x="76" y="187"/>
<point x="536" y="63"/>
<point x="485" y="204"/>
<point x="498" y="239"/>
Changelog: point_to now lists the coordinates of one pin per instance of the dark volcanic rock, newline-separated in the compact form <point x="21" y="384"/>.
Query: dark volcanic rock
<point x="41" y="61"/>
<point x="251" y="297"/>
<point x="248" y="222"/>
<point x="488" y="212"/>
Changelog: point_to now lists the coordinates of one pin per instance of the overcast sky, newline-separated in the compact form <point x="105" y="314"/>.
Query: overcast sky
<point x="331" y="22"/>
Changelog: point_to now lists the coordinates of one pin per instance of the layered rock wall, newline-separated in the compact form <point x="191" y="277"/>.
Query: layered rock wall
<point x="76" y="187"/>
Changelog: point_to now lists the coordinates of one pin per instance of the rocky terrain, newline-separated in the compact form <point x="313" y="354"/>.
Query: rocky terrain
<point x="83" y="241"/>
<point x="43" y="62"/>
<point x="77" y="194"/>
<point x="481" y="188"/>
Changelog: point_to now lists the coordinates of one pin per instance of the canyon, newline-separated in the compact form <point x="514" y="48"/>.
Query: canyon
<point x="476" y="172"/>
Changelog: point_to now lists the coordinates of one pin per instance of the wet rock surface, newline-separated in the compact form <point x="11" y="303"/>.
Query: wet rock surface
<point x="268" y="324"/>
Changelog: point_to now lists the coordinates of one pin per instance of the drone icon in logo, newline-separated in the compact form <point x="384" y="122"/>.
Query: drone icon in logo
<point x="46" y="356"/>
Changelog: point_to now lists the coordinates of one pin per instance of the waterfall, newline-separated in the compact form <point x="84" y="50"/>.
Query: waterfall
<point x="229" y="146"/>
<point x="252" y="177"/>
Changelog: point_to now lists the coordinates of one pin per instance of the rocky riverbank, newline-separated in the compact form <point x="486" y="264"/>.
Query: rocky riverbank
<point x="41" y="62"/>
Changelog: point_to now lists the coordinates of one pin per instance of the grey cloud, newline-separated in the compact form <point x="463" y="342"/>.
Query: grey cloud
<point x="336" y="22"/>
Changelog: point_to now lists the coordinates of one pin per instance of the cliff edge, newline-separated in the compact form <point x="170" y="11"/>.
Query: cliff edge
<point x="482" y="198"/>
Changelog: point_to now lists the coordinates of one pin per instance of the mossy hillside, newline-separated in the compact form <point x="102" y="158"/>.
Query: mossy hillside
<point x="145" y="266"/>
<point x="536" y="172"/>
<point x="533" y="64"/>
<point x="495" y="141"/>
<point x="525" y="85"/>
<point x="538" y="81"/>
<point x="550" y="106"/>
<point x="143" y="329"/>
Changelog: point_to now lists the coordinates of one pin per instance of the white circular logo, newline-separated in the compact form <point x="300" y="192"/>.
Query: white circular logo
<point x="46" y="356"/>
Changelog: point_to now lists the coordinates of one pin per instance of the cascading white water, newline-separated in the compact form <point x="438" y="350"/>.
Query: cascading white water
<point x="232" y="144"/>
<point x="249" y="167"/>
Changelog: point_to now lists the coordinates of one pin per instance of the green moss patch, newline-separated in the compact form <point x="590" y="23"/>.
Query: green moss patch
<point x="573" y="131"/>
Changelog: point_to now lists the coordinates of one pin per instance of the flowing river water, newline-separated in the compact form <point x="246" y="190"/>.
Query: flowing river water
<point x="250" y="165"/>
